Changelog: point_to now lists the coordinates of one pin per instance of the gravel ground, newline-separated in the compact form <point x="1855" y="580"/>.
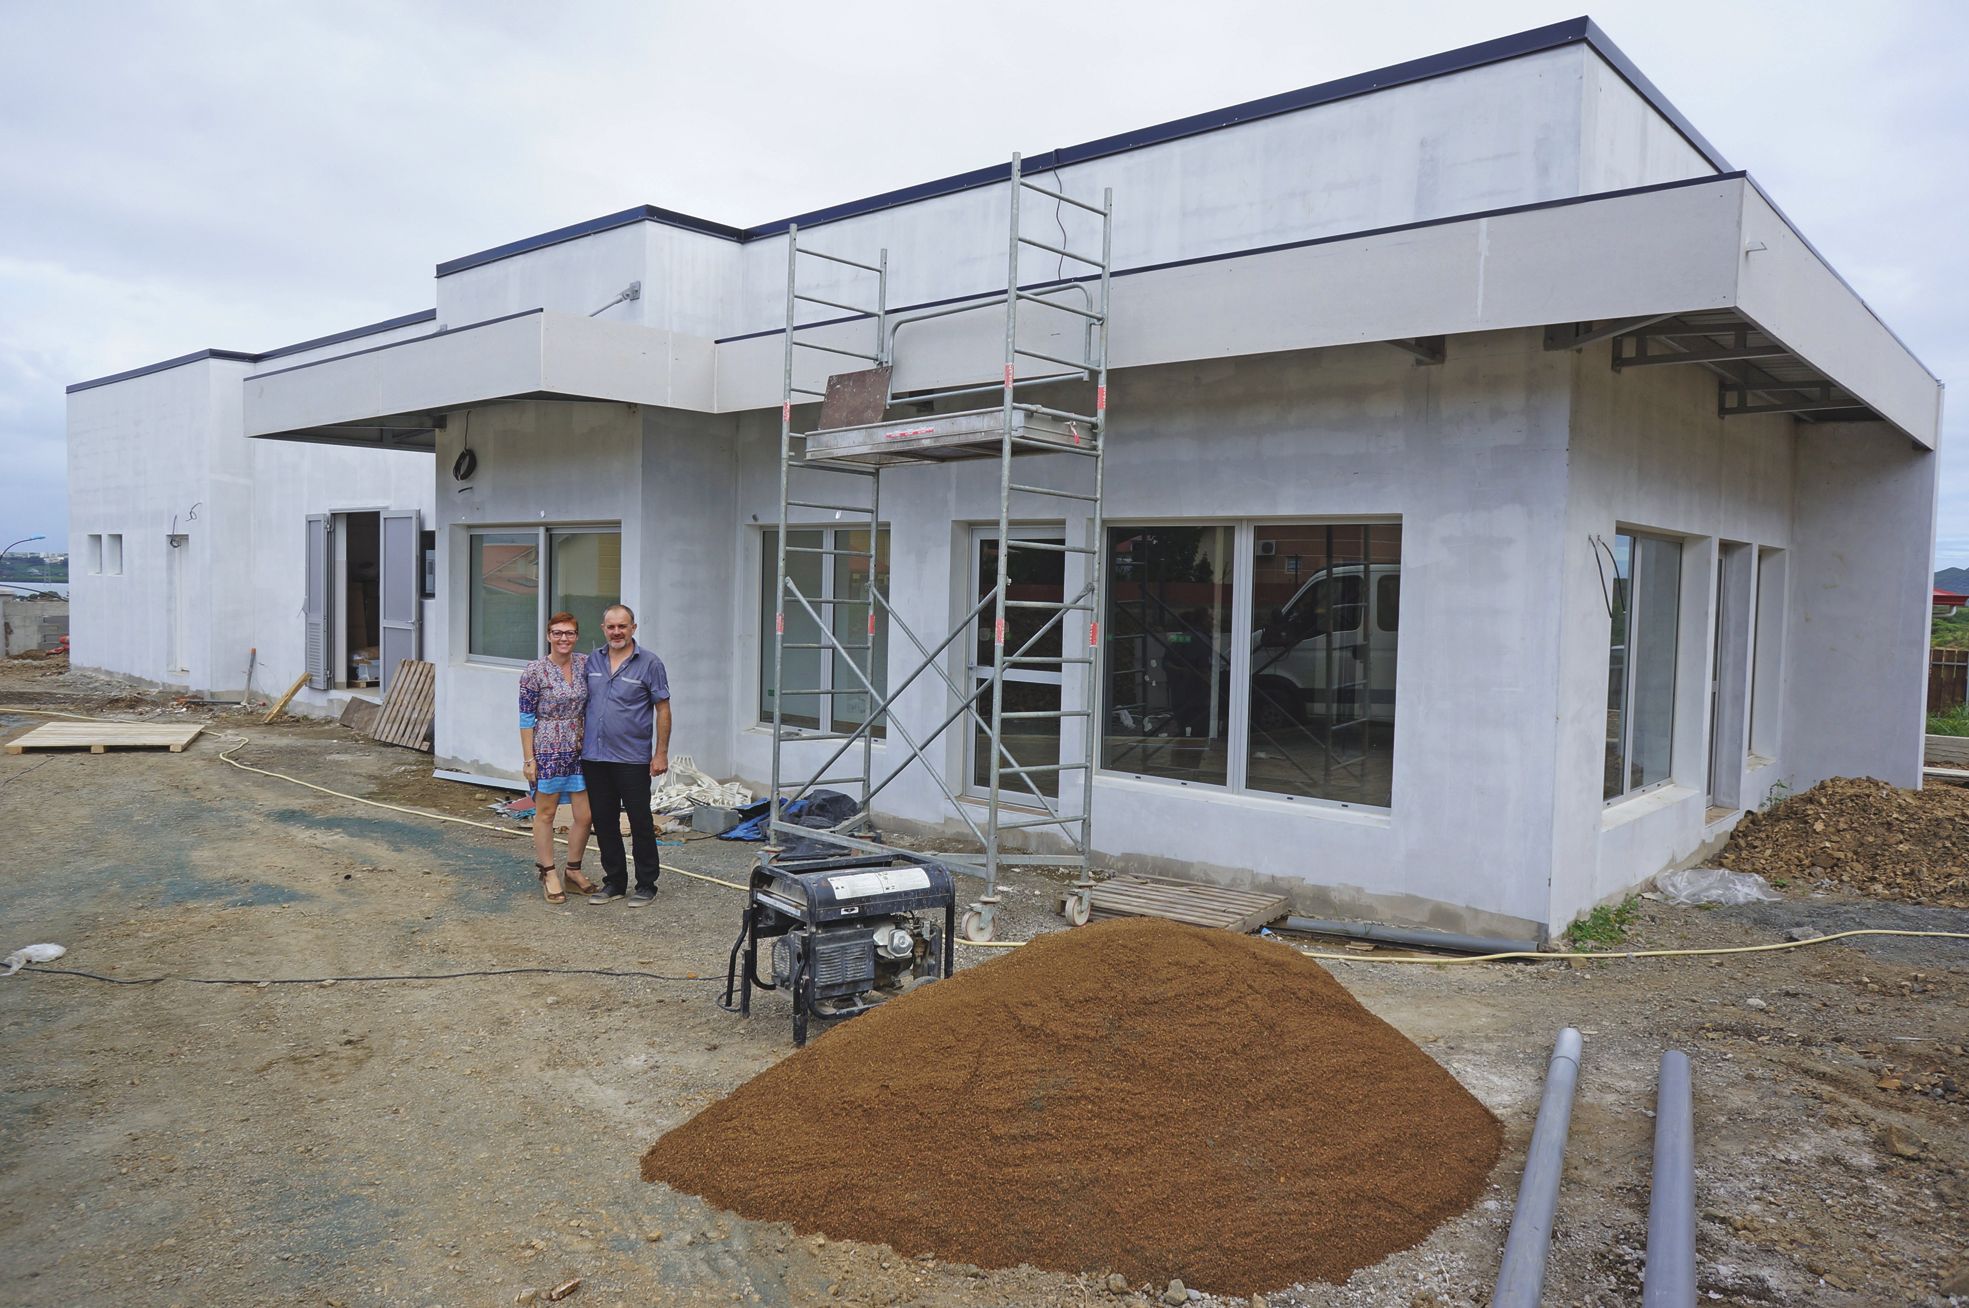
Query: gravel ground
<point x="463" y="1142"/>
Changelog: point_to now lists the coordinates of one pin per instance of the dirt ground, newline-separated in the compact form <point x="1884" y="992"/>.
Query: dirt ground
<point x="463" y="1142"/>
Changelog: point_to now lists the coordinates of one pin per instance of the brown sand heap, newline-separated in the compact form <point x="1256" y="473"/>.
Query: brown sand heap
<point x="1864" y="834"/>
<point x="1133" y="1096"/>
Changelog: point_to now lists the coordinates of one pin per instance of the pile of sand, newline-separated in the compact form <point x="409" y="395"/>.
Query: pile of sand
<point x="1872" y="837"/>
<point x="1133" y="1096"/>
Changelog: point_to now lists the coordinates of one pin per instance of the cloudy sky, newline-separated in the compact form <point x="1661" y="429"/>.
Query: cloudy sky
<point x="181" y="175"/>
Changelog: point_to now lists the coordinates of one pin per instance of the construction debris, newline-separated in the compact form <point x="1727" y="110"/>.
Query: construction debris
<point x="1135" y="1097"/>
<point x="1863" y="834"/>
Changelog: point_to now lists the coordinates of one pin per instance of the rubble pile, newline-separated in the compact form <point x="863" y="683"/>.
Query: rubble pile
<point x="1865" y="835"/>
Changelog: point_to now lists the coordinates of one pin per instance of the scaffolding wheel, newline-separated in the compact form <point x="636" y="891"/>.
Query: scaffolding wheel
<point x="1076" y="908"/>
<point x="976" y="925"/>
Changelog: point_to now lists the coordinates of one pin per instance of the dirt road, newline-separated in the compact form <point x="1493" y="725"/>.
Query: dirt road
<point x="461" y="1142"/>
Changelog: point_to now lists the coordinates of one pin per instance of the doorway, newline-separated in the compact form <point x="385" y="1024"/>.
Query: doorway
<point x="1038" y="575"/>
<point x="358" y="595"/>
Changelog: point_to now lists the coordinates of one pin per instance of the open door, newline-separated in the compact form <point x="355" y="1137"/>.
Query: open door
<point x="317" y="602"/>
<point x="401" y="583"/>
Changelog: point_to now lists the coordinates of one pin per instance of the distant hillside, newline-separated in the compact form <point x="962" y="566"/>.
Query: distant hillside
<point x="1953" y="580"/>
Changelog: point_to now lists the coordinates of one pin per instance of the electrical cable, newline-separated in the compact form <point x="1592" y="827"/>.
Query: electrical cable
<point x="1528" y="955"/>
<point x="393" y="976"/>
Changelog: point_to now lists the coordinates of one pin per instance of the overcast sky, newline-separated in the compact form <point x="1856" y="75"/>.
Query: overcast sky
<point x="181" y="175"/>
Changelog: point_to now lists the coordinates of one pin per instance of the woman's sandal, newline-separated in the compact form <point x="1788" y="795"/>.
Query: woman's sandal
<point x="579" y="884"/>
<point x="553" y="896"/>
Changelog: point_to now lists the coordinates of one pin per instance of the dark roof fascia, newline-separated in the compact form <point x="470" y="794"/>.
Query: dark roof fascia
<point x="392" y="345"/>
<point x="229" y="356"/>
<point x="642" y="213"/>
<point x="1563" y="202"/>
<point x="354" y="333"/>
<point x="1551" y="37"/>
<point x="241" y="356"/>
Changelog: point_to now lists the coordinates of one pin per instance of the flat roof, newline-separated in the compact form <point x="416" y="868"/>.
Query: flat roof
<point x="1574" y="31"/>
<point x="242" y="356"/>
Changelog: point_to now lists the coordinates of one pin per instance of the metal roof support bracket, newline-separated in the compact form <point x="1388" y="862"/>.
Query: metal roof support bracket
<point x="1578" y="335"/>
<point x="1733" y="400"/>
<point x="1426" y="349"/>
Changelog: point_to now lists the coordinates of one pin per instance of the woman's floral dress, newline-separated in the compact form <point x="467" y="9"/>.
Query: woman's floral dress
<point x="554" y="707"/>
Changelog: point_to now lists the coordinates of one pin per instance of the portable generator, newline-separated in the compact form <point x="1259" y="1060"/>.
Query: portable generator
<point x="846" y="933"/>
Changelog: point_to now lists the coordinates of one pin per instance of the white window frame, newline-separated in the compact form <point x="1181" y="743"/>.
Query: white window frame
<point x="764" y="648"/>
<point x="1237" y="738"/>
<point x="543" y="546"/>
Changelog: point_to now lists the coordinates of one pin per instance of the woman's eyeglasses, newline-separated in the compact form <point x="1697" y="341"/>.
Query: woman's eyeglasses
<point x="565" y="635"/>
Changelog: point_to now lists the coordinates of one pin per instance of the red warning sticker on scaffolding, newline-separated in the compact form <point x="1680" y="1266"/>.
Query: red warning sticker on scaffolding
<point x="1074" y="431"/>
<point x="871" y="622"/>
<point x="786" y="411"/>
<point x="779" y="624"/>
<point x="1100" y="399"/>
<point x="1093" y="635"/>
<point x="1008" y="375"/>
<point x="998" y="632"/>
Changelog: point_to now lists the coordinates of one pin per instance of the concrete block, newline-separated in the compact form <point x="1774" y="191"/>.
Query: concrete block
<point x="713" y="819"/>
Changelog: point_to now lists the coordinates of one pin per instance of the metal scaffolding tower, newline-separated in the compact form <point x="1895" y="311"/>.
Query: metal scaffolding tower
<point x="836" y="468"/>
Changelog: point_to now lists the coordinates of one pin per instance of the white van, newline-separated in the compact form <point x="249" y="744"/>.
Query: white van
<point x="1329" y="651"/>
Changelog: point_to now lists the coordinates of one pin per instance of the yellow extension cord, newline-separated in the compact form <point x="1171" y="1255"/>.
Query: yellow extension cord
<point x="226" y="756"/>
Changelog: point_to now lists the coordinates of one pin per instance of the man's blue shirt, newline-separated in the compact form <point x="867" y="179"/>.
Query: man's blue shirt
<point x="620" y="726"/>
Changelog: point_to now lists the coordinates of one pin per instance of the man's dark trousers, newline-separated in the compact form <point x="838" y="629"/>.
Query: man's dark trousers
<point x="625" y="786"/>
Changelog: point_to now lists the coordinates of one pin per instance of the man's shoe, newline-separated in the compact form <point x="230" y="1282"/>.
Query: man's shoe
<point x="605" y="896"/>
<point x="642" y="898"/>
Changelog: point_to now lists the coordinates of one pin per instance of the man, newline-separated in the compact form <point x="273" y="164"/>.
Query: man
<point x="628" y="692"/>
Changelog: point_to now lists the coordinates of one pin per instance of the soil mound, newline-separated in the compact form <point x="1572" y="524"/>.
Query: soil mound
<point x="1132" y="1096"/>
<point x="1866" y="835"/>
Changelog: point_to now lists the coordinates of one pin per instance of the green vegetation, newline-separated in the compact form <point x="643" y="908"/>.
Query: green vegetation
<point x="1955" y="722"/>
<point x="1950" y="632"/>
<point x="1605" y="925"/>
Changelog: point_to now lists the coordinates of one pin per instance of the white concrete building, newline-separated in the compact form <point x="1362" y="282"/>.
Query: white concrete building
<point x="1486" y="369"/>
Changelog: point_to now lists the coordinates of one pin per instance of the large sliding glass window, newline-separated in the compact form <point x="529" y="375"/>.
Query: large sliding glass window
<point x="822" y="576"/>
<point x="508" y="605"/>
<point x="1325" y="601"/>
<point x="1646" y="596"/>
<point x="1169" y="652"/>
<point x="1314" y="715"/>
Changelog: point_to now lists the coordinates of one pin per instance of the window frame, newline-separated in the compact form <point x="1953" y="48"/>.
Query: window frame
<point x="543" y="545"/>
<point x="763" y="647"/>
<point x="1632" y="665"/>
<point x="1237" y="741"/>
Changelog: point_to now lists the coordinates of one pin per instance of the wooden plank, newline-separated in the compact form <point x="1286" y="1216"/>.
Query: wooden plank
<point x="286" y="699"/>
<point x="99" y="737"/>
<point x="1183" y="901"/>
<point x="360" y="715"/>
<point x="408" y="709"/>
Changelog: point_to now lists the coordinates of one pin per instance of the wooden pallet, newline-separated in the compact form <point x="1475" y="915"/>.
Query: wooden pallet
<point x="96" y="737"/>
<point x="409" y="707"/>
<point x="1185" y="901"/>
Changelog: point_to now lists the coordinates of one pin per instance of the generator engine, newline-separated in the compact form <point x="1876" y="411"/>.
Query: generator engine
<point x="845" y="933"/>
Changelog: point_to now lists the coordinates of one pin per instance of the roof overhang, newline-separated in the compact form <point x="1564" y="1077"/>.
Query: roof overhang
<point x="396" y="396"/>
<point x="1704" y="273"/>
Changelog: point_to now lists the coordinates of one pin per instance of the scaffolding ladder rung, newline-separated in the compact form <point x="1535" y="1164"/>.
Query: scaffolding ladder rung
<point x="1063" y="197"/>
<point x="1038" y="768"/>
<point x="1054" y="490"/>
<point x="820" y="645"/>
<point x="800" y="733"/>
<point x="838" y="508"/>
<point x="836" y="304"/>
<point x="1049" y="606"/>
<point x="1050" y="303"/>
<point x="1082" y="365"/>
<point x="1049" y="714"/>
<point x="1061" y="821"/>
<point x="1065" y="415"/>
<point x="1062" y="251"/>
<point x="829" y="465"/>
<point x="802" y="390"/>
<point x="802" y="694"/>
<point x="987" y="388"/>
<point x="854" y="779"/>
<point x="1050" y="546"/>
<point x="1054" y="447"/>
<point x="835" y="349"/>
<point x="835" y="258"/>
<point x="1037" y="661"/>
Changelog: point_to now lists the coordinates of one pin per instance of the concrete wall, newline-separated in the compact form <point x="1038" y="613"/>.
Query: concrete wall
<point x="31" y="624"/>
<point x="1649" y="454"/>
<point x="164" y="455"/>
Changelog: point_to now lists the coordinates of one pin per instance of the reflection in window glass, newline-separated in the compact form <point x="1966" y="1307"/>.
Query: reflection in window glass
<point x="505" y="594"/>
<point x="1168" y="652"/>
<point x="852" y="627"/>
<point x="1646" y="597"/>
<point x="586" y="577"/>
<point x="1321" y="699"/>
<point x="820" y="577"/>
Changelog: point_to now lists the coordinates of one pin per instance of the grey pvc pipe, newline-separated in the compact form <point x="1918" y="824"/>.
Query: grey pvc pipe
<point x="1521" y="1278"/>
<point x="1670" y="1281"/>
<point x="1417" y="936"/>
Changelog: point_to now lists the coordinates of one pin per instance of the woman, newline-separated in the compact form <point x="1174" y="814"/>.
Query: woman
<point x="553" y="702"/>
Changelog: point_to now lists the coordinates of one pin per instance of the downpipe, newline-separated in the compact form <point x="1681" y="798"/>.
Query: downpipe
<point x="1417" y="937"/>
<point x="1521" y="1278"/>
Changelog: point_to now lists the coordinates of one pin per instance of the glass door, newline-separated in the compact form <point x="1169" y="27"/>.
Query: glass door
<point x="1030" y="687"/>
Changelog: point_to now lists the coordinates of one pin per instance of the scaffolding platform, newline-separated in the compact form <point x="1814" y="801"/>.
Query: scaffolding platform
<point x="947" y="437"/>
